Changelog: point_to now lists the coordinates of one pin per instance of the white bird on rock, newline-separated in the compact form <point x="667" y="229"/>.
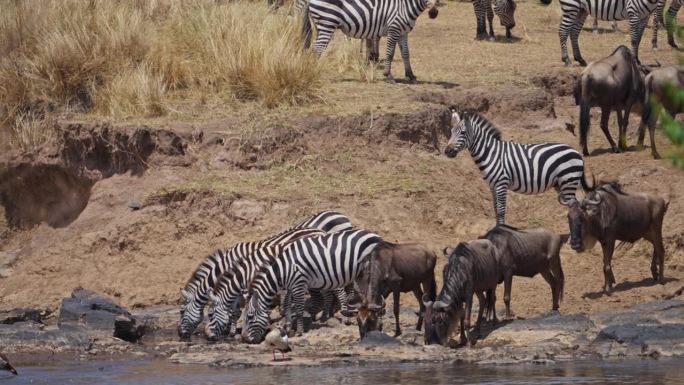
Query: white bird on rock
<point x="277" y="339"/>
<point x="5" y="365"/>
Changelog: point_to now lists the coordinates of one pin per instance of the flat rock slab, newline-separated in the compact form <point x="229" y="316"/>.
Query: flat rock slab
<point x="553" y="321"/>
<point x="22" y="315"/>
<point x="89" y="308"/>
<point x="378" y="338"/>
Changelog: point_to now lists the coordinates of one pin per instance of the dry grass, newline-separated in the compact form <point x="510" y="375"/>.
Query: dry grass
<point x="123" y="58"/>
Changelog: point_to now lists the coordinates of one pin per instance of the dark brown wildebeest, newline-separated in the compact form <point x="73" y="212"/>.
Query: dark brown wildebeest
<point x="608" y="214"/>
<point x="612" y="83"/>
<point x="473" y="268"/>
<point x="394" y="268"/>
<point x="657" y="85"/>
<point x="532" y="251"/>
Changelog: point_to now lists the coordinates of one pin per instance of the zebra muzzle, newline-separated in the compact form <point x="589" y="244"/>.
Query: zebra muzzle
<point x="433" y="12"/>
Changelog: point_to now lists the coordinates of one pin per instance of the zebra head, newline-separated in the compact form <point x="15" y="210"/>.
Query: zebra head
<point x="191" y="315"/>
<point x="256" y="320"/>
<point x="432" y="5"/>
<point x="459" y="139"/>
<point x="219" y="317"/>
<point x="505" y="9"/>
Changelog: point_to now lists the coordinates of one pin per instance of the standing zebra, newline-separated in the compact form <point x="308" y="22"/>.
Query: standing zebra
<point x="195" y="294"/>
<point x="323" y="263"/>
<point x="367" y="19"/>
<point x="523" y="168"/>
<point x="504" y="9"/>
<point x="575" y="13"/>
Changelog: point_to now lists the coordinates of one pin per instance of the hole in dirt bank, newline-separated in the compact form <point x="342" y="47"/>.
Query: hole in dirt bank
<point x="556" y="83"/>
<point x="53" y="185"/>
<point x="33" y="194"/>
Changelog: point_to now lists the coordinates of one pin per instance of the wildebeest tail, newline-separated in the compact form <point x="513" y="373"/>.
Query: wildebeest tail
<point x="433" y="288"/>
<point x="584" y="100"/>
<point x="306" y="26"/>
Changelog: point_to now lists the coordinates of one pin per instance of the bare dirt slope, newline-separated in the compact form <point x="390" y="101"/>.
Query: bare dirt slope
<point x="373" y="153"/>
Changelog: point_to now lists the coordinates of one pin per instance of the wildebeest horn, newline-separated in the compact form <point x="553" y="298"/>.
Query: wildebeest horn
<point x="447" y="251"/>
<point x="426" y="301"/>
<point x="439" y="305"/>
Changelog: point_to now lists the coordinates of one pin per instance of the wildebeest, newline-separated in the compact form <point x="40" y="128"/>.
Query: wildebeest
<point x="658" y="85"/>
<point x="473" y="268"/>
<point x="608" y="214"/>
<point x="532" y="251"/>
<point x="394" y="268"/>
<point x="612" y="83"/>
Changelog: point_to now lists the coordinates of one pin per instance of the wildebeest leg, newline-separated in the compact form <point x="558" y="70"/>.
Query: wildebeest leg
<point x="651" y="134"/>
<point x="557" y="270"/>
<point x="608" y="247"/>
<point x="482" y="301"/>
<point x="658" y="261"/>
<point x="508" y="283"/>
<point x="574" y="37"/>
<point x="491" y="305"/>
<point x="397" y="328"/>
<point x="623" y="121"/>
<point x="605" y="115"/>
<point x="468" y="310"/>
<point x="419" y="295"/>
<point x="551" y="280"/>
<point x="403" y="47"/>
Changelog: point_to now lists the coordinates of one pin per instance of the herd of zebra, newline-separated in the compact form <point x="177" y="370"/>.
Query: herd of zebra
<point x="394" y="19"/>
<point x="324" y="256"/>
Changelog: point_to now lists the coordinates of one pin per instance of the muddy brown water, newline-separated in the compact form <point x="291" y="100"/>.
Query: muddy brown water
<point x="149" y="372"/>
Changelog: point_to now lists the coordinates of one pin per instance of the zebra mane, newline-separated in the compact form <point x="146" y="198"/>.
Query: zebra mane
<point x="486" y="126"/>
<point x="204" y="268"/>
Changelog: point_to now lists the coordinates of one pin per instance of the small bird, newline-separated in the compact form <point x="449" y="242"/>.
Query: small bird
<point x="5" y="365"/>
<point x="277" y="339"/>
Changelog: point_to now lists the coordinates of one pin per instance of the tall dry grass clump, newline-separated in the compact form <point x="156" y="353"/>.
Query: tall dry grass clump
<point x="124" y="58"/>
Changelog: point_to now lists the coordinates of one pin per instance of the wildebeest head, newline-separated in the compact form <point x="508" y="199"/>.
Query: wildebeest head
<point x="581" y="215"/>
<point x="432" y="4"/>
<point x="368" y="317"/>
<point x="459" y="139"/>
<point x="440" y="320"/>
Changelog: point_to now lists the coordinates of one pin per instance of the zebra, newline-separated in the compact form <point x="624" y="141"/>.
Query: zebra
<point x="323" y="263"/>
<point x="523" y="168"/>
<point x="196" y="291"/>
<point x="504" y="9"/>
<point x="367" y="19"/>
<point x="575" y="13"/>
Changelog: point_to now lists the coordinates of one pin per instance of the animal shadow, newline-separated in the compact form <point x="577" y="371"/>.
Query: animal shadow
<point x="488" y="327"/>
<point x="608" y="150"/>
<point x="627" y="285"/>
<point x="505" y="40"/>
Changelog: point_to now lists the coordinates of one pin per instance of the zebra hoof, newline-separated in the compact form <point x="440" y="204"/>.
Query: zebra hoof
<point x="673" y="44"/>
<point x="582" y="62"/>
<point x="411" y="79"/>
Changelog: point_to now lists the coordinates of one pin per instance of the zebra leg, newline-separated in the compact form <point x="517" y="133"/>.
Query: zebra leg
<point x="480" y="17"/>
<point x="657" y="20"/>
<point x="594" y="28"/>
<point x="499" y="193"/>
<point x="373" y="50"/>
<point x="392" y="39"/>
<point x="670" y="23"/>
<point x="298" y="294"/>
<point x="341" y="296"/>
<point x="574" y="37"/>
<point x="235" y="316"/>
<point x="403" y="47"/>
<point x="323" y="36"/>
<point x="636" y="30"/>
<point x="566" y="25"/>
<point x="490" y="18"/>
<point x="605" y="115"/>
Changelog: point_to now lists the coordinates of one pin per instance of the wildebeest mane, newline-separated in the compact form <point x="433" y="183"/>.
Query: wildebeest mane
<point x="456" y="275"/>
<point x="614" y="185"/>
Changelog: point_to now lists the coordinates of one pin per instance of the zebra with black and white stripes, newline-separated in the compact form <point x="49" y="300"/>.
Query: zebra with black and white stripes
<point x="523" y="168"/>
<point x="367" y="19"/>
<point x="195" y="294"/>
<point x="504" y="9"/>
<point x="575" y="13"/>
<point x="324" y="263"/>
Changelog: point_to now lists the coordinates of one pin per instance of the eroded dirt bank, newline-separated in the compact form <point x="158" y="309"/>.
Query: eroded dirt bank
<point x="130" y="211"/>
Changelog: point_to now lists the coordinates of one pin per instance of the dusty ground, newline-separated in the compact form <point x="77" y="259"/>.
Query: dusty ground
<point x="239" y="172"/>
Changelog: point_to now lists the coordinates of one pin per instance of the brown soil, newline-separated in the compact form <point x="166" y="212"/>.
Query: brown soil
<point x="210" y="183"/>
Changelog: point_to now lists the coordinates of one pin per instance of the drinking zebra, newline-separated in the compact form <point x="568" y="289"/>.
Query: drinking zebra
<point x="195" y="294"/>
<point x="575" y="13"/>
<point x="369" y="19"/>
<point x="523" y="168"/>
<point x="323" y="263"/>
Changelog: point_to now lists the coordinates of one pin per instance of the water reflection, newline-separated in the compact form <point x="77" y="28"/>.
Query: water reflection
<point x="153" y="372"/>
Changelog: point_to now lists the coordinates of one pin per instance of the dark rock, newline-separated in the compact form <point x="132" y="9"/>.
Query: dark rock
<point x="639" y="334"/>
<point x="659" y="306"/>
<point x="127" y="329"/>
<point x="89" y="308"/>
<point x="44" y="338"/>
<point x="23" y="315"/>
<point x="378" y="338"/>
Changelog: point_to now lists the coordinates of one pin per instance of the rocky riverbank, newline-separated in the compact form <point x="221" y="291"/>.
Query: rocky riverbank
<point x="92" y="326"/>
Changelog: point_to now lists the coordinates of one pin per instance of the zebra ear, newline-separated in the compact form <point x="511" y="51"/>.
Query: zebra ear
<point x="185" y="295"/>
<point x="455" y="117"/>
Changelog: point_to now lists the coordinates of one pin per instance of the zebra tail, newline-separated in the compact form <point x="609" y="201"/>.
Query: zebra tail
<point x="306" y="27"/>
<point x="584" y="108"/>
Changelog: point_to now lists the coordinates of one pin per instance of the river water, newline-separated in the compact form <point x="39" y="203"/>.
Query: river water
<point x="149" y="372"/>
